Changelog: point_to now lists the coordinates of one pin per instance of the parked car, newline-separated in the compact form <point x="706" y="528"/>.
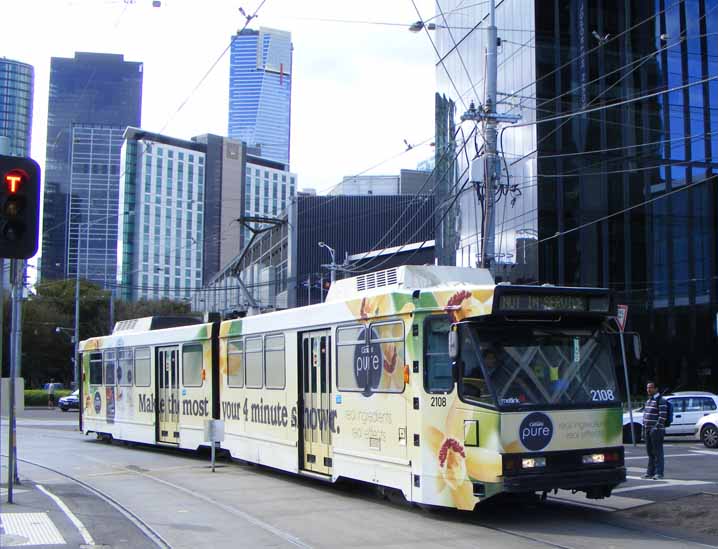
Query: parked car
<point x="688" y="408"/>
<point x="70" y="401"/>
<point x="707" y="430"/>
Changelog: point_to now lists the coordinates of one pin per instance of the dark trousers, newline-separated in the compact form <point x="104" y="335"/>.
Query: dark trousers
<point x="654" y="448"/>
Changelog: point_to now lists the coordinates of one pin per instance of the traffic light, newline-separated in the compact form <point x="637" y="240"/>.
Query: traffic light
<point x="19" y="207"/>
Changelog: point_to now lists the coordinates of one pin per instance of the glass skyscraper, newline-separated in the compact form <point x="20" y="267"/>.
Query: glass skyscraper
<point x="91" y="89"/>
<point x="92" y="221"/>
<point x="612" y="169"/>
<point x="16" y="94"/>
<point x="260" y="92"/>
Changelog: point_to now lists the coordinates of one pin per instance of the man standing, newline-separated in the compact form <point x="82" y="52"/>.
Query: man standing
<point x="655" y="415"/>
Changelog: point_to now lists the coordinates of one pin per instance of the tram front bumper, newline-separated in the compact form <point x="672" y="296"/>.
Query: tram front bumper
<point x="583" y="480"/>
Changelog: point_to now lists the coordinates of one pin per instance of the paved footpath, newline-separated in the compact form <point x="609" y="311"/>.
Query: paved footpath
<point x="50" y="510"/>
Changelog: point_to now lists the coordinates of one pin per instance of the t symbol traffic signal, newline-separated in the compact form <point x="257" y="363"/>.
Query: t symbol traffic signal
<point x="19" y="207"/>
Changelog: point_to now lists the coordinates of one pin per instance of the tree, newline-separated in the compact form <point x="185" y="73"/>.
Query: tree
<point x="48" y="354"/>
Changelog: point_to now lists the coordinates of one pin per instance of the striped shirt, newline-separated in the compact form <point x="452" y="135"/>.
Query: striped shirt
<point x="655" y="413"/>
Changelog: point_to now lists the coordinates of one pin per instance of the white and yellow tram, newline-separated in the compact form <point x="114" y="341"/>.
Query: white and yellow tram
<point x="432" y="381"/>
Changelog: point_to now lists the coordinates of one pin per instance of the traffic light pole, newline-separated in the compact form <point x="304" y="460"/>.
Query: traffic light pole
<point x="17" y="272"/>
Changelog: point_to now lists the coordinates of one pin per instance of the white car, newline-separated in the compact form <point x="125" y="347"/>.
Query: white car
<point x="688" y="408"/>
<point x="707" y="430"/>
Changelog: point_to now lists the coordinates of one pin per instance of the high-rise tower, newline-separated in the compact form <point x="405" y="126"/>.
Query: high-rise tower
<point x="16" y="89"/>
<point x="260" y="92"/>
<point x="91" y="90"/>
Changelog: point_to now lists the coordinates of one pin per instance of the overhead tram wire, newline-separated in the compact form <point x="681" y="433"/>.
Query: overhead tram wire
<point x="379" y="246"/>
<point x="458" y="52"/>
<point x="438" y="55"/>
<point x="249" y="18"/>
<point x="446" y="211"/>
<point x="640" y="61"/>
<point x="600" y="45"/>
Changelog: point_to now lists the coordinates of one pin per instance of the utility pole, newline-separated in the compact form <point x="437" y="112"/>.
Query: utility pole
<point x="17" y="272"/>
<point x="112" y="310"/>
<point x="487" y="167"/>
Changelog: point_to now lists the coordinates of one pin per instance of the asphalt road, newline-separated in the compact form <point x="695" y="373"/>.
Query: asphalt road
<point x="187" y="505"/>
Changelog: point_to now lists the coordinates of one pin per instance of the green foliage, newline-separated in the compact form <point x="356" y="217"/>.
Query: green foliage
<point x="125" y="310"/>
<point x="38" y="397"/>
<point x="47" y="354"/>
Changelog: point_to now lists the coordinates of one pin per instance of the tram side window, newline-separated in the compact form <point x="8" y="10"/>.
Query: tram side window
<point x="142" y="367"/>
<point x="253" y="361"/>
<point x="438" y="377"/>
<point x="95" y="368"/>
<point x="349" y="340"/>
<point x="274" y="367"/>
<point x="192" y="365"/>
<point x="388" y="339"/>
<point x="124" y="367"/>
<point x="110" y="360"/>
<point x="235" y="356"/>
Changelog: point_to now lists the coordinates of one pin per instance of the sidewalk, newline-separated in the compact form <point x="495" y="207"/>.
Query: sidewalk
<point x="49" y="510"/>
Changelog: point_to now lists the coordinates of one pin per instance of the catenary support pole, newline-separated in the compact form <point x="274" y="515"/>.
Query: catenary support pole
<point x="628" y="388"/>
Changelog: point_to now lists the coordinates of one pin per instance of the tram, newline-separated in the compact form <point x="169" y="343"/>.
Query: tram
<point x="432" y="381"/>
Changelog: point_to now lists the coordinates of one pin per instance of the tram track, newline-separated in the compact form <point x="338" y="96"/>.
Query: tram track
<point x="556" y="511"/>
<point x="145" y="528"/>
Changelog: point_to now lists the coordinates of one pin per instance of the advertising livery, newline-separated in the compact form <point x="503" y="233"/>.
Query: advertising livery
<point x="432" y="381"/>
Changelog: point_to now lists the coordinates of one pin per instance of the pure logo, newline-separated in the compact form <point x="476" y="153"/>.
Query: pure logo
<point x="98" y="402"/>
<point x="536" y="431"/>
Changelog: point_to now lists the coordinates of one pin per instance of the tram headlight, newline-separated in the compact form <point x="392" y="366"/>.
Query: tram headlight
<point x="533" y="463"/>
<point x="590" y="459"/>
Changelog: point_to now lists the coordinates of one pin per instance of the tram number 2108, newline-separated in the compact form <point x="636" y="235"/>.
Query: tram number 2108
<point x="438" y="401"/>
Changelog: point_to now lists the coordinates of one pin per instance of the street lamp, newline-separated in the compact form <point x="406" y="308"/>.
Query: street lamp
<point x="76" y="336"/>
<point x="68" y="331"/>
<point x="333" y="265"/>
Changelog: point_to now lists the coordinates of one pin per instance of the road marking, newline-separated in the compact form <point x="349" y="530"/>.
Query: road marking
<point x="665" y="456"/>
<point x="706" y="452"/>
<point x="65" y="509"/>
<point x="29" y="529"/>
<point x="660" y="484"/>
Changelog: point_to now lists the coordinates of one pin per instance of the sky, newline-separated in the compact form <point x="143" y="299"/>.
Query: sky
<point x="358" y="90"/>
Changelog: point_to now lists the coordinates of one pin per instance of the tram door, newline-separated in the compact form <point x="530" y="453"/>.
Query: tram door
<point x="316" y="421"/>
<point x="167" y="408"/>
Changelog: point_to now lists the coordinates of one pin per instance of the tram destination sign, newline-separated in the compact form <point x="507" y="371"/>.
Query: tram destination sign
<point x="545" y="300"/>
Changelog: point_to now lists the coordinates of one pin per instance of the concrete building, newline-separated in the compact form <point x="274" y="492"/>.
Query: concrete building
<point x="160" y="247"/>
<point x="407" y="182"/>
<point x="89" y="89"/>
<point x="260" y="92"/>
<point x="268" y="188"/>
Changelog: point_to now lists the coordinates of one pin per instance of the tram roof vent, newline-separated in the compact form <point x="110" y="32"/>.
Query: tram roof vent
<point x="153" y="323"/>
<point x="409" y="277"/>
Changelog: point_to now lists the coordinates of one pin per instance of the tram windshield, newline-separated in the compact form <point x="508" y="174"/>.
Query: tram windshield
<point x="519" y="367"/>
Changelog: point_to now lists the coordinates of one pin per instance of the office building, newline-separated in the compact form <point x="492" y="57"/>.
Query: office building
<point x="91" y="89"/>
<point x="260" y="92"/>
<point x="268" y="188"/>
<point x="285" y="267"/>
<point x="612" y="167"/>
<point x="407" y="182"/>
<point x="159" y="253"/>
<point x="16" y="100"/>
<point x="93" y="195"/>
